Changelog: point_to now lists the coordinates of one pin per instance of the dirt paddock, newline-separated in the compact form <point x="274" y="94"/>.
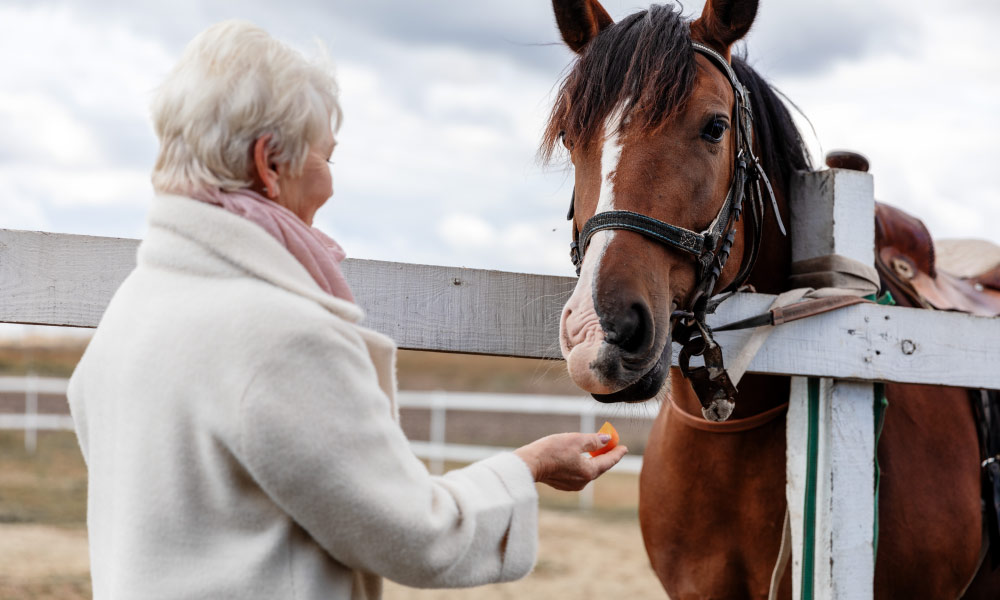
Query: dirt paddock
<point x="581" y="556"/>
<point x="595" y="553"/>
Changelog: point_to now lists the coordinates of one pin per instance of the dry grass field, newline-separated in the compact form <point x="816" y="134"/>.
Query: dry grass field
<point x="595" y="553"/>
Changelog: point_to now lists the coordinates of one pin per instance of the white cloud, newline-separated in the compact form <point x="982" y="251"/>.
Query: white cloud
<point x="537" y="246"/>
<point x="928" y="123"/>
<point x="95" y="64"/>
<point x="467" y="231"/>
<point x="20" y="211"/>
<point x="77" y="187"/>
<point x="36" y="127"/>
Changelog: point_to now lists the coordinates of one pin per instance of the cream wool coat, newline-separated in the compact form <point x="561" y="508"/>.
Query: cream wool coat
<point x="242" y="439"/>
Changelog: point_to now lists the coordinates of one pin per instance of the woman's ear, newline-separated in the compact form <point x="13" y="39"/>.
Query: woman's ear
<point x="580" y="21"/>
<point x="724" y="22"/>
<point x="267" y="171"/>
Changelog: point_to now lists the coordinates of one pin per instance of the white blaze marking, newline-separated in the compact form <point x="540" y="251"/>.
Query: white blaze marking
<point x="610" y="156"/>
<point x="581" y="335"/>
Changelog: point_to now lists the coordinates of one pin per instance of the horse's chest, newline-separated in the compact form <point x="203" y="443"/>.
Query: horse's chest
<point x="712" y="508"/>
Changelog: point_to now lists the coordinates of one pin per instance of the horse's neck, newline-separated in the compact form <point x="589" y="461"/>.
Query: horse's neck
<point x="770" y="274"/>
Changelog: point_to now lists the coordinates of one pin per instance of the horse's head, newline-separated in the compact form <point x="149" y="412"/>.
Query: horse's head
<point x="649" y="125"/>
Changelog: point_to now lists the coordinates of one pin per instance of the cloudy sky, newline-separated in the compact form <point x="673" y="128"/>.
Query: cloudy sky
<point x="444" y="103"/>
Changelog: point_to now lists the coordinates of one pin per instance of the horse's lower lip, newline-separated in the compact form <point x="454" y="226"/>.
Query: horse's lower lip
<point x="646" y="387"/>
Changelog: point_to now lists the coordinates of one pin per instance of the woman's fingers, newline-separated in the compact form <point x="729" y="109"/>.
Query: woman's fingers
<point x="595" y="441"/>
<point x="577" y="468"/>
<point x="605" y="461"/>
<point x="562" y="462"/>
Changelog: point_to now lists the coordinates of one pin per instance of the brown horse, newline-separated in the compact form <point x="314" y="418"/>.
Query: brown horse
<point x="649" y="124"/>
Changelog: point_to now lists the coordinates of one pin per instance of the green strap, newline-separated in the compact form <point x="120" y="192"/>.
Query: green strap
<point x="885" y="299"/>
<point x="812" y="466"/>
<point x="881" y="403"/>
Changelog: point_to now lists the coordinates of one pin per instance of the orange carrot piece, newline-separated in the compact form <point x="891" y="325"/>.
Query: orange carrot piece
<point x="609" y="429"/>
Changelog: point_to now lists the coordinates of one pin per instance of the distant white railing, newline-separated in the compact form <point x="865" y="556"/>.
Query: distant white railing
<point x="42" y="385"/>
<point x="436" y="450"/>
<point x="30" y="421"/>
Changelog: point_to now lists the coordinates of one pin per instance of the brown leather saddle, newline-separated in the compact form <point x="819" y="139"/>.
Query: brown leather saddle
<point x="905" y="259"/>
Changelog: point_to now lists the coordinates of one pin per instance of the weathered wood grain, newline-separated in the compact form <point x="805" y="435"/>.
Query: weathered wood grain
<point x="844" y="559"/>
<point x="833" y="212"/>
<point x="60" y="279"/>
<point x="68" y="280"/>
<point x="830" y="215"/>
<point x="461" y="310"/>
<point x="57" y="279"/>
<point x="872" y="342"/>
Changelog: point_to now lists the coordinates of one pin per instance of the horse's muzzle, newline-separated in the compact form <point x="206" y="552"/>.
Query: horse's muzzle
<point x="646" y="387"/>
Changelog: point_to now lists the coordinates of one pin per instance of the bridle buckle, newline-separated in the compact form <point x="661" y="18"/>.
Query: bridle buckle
<point x="711" y="383"/>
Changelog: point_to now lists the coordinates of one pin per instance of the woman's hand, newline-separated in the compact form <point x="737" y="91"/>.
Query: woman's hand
<point x="561" y="461"/>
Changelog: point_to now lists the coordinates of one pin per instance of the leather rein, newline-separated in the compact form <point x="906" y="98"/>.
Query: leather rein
<point x="710" y="250"/>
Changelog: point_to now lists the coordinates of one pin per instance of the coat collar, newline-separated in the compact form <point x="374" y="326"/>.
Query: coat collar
<point x="241" y="244"/>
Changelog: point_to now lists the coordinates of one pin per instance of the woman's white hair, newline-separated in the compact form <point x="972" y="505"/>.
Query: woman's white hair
<point x="233" y="85"/>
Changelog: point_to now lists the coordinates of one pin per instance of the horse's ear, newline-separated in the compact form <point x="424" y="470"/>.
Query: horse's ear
<point x="580" y="21"/>
<point x="723" y="22"/>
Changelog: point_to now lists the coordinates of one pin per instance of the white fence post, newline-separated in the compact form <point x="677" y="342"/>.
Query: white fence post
<point x="832" y="212"/>
<point x="31" y="413"/>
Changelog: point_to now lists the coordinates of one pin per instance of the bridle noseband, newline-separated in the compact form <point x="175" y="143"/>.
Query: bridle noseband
<point x="710" y="250"/>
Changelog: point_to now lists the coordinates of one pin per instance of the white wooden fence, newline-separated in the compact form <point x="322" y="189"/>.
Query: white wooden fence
<point x="436" y="449"/>
<point x="54" y="279"/>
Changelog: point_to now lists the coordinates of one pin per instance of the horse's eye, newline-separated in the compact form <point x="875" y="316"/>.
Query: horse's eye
<point x="714" y="131"/>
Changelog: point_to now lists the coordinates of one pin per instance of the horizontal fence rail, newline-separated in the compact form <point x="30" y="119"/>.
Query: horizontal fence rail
<point x="60" y="279"/>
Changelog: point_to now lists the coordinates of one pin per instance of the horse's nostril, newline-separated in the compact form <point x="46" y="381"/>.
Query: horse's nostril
<point x="633" y="329"/>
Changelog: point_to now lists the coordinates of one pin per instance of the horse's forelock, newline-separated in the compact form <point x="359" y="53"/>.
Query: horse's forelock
<point x="644" y="64"/>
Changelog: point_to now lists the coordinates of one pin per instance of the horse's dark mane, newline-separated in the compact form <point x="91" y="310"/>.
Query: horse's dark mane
<point x="780" y="145"/>
<point x="645" y="63"/>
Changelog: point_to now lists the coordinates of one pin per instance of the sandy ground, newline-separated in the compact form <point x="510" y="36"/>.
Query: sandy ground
<point x="581" y="556"/>
<point x="43" y="562"/>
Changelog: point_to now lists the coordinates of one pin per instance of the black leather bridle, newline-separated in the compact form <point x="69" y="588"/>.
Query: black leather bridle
<point x="710" y="249"/>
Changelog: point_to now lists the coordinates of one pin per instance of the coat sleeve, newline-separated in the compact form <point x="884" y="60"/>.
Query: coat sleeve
<point x="318" y="436"/>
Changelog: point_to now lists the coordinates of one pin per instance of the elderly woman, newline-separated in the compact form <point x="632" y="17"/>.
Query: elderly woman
<point x="239" y="424"/>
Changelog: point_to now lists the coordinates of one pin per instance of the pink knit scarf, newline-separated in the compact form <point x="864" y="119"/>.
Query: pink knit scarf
<point x="318" y="253"/>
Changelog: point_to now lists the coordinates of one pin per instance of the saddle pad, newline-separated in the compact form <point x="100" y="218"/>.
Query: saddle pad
<point x="967" y="258"/>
